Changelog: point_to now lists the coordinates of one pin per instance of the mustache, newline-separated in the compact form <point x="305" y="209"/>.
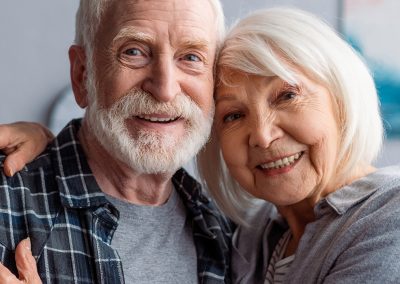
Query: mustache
<point x="138" y="102"/>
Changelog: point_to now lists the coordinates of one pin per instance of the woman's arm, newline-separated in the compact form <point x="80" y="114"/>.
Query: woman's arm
<point x="22" y="142"/>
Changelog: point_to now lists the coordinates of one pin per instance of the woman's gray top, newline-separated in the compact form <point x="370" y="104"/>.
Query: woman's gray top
<point x="354" y="239"/>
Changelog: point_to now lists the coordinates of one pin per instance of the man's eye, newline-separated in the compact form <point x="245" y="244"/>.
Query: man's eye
<point x="192" y="57"/>
<point x="232" y="117"/>
<point x="133" y="52"/>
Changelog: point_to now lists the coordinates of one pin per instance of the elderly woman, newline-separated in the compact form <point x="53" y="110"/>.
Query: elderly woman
<point x="297" y="124"/>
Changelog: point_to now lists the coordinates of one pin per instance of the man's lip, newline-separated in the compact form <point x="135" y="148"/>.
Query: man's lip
<point x="157" y="118"/>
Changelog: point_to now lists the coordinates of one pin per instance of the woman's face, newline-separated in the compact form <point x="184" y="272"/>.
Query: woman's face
<point x="280" y="142"/>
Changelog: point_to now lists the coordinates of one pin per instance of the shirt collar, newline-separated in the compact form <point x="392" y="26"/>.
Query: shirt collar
<point x="198" y="205"/>
<point x="350" y="195"/>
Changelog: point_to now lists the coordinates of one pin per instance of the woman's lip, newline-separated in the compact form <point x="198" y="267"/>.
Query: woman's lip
<point x="281" y="162"/>
<point x="274" y="171"/>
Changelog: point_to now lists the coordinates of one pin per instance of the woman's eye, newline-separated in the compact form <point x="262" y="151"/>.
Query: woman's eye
<point x="192" y="57"/>
<point x="287" y="96"/>
<point x="232" y="117"/>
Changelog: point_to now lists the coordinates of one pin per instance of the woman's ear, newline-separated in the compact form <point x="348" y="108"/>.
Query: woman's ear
<point x="77" y="59"/>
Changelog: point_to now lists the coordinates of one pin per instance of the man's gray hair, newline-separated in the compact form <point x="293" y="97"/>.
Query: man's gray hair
<point x="270" y="43"/>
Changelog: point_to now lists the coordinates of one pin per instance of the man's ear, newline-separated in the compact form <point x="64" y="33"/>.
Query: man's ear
<point x="78" y="72"/>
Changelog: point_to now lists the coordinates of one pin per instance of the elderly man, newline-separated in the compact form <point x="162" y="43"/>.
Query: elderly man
<point x="107" y="201"/>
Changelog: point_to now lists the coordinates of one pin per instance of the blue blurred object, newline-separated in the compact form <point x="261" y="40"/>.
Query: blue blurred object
<point x="63" y="110"/>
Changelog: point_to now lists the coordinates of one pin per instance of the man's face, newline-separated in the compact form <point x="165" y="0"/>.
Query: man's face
<point x="153" y="81"/>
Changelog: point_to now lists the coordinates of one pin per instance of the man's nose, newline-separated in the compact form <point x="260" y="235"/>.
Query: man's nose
<point x="163" y="82"/>
<point x="264" y="133"/>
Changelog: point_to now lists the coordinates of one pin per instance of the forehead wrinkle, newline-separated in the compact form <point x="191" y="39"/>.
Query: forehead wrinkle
<point x="133" y="34"/>
<point x="225" y="98"/>
<point x="163" y="11"/>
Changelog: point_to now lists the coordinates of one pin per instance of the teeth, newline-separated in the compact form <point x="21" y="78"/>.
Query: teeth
<point x="287" y="161"/>
<point x="156" y="119"/>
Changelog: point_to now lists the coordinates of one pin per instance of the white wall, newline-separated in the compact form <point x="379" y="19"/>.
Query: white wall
<point x="328" y="9"/>
<point x="34" y="40"/>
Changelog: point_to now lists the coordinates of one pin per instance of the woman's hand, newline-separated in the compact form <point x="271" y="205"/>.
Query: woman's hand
<point x="22" y="142"/>
<point x="26" y="266"/>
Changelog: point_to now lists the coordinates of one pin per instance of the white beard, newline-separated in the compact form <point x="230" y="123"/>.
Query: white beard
<point x="147" y="151"/>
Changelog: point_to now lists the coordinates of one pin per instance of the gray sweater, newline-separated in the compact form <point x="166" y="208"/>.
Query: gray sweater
<point x="354" y="239"/>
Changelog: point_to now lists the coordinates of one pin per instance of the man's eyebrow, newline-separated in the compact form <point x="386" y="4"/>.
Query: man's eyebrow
<point x="133" y="34"/>
<point x="195" y="43"/>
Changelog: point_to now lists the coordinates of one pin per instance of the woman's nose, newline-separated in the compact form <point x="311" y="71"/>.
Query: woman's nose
<point x="263" y="133"/>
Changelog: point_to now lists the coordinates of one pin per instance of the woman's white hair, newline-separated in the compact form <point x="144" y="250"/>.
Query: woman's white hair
<point x="278" y="42"/>
<point x="90" y="12"/>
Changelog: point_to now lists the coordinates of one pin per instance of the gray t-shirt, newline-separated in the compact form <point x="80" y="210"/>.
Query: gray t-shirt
<point x="155" y="243"/>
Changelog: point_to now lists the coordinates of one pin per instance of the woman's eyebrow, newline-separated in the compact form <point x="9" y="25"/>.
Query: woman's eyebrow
<point x="224" y="97"/>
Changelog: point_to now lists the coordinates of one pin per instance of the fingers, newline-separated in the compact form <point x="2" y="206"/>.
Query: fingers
<point x="22" y="142"/>
<point x="18" y="157"/>
<point x="6" y="277"/>
<point x="12" y="164"/>
<point x="26" y="263"/>
<point x="26" y="266"/>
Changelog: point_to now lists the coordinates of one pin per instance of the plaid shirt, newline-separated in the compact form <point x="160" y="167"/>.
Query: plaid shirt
<point x="56" y="201"/>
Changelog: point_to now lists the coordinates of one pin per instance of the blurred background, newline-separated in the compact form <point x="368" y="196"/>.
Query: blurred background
<point x="36" y="35"/>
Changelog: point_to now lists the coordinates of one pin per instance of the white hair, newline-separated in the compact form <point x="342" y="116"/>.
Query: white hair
<point x="89" y="16"/>
<point x="270" y="43"/>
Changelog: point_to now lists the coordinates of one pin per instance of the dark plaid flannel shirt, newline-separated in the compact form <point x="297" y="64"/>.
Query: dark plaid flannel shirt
<point x="56" y="201"/>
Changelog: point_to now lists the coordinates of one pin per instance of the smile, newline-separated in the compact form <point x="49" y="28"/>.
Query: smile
<point x="281" y="163"/>
<point x="157" y="119"/>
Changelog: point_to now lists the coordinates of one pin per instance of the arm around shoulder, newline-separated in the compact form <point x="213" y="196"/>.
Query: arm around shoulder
<point x="22" y="142"/>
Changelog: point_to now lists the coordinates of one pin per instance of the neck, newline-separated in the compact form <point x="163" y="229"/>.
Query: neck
<point x="297" y="216"/>
<point x="300" y="214"/>
<point x="115" y="178"/>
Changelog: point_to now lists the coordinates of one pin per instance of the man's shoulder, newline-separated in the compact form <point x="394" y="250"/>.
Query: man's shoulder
<point x="54" y="163"/>
<point x="41" y="160"/>
<point x="40" y="167"/>
<point x="34" y="181"/>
